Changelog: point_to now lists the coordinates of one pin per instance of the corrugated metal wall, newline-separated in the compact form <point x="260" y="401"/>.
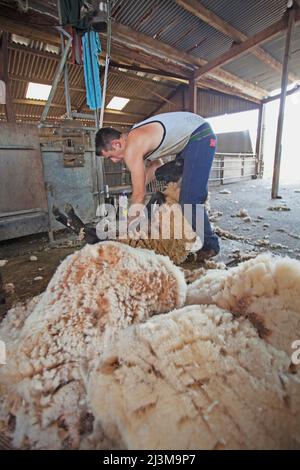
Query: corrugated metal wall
<point x="210" y="103"/>
<point x="215" y="104"/>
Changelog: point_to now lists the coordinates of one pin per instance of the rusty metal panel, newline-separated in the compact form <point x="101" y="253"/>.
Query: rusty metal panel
<point x="234" y="142"/>
<point x="76" y="185"/>
<point x="21" y="225"/>
<point x="21" y="171"/>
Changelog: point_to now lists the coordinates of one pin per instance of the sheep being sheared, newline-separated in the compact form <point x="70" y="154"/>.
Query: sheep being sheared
<point x="180" y="240"/>
<point x="94" y="293"/>
<point x="177" y="242"/>
<point x="196" y="378"/>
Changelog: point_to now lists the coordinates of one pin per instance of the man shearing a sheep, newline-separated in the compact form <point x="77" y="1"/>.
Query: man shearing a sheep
<point x="184" y="134"/>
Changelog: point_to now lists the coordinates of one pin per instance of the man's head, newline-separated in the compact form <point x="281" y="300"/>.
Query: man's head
<point x="110" y="143"/>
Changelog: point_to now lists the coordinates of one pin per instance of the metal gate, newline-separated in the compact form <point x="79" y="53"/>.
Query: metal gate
<point x="23" y="203"/>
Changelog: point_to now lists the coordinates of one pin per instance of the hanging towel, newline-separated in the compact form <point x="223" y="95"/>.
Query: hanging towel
<point x="91" y="50"/>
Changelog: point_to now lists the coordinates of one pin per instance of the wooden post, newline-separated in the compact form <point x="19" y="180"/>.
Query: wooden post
<point x="284" y="81"/>
<point x="193" y="96"/>
<point x="259" y="141"/>
<point x="10" y="115"/>
<point x="222" y="169"/>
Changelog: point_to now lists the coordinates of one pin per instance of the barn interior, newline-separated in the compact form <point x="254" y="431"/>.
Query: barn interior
<point x="214" y="58"/>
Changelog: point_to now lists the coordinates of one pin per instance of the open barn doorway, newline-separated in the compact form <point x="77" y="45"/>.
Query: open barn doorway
<point x="290" y="161"/>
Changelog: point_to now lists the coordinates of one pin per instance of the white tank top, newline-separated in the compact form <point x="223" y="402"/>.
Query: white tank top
<point x="178" y="127"/>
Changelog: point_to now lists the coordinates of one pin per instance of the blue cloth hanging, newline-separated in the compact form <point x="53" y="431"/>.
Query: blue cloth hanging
<point x="91" y="50"/>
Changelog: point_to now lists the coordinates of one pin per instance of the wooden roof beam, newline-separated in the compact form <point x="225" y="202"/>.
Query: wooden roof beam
<point x="82" y="90"/>
<point x="142" y="44"/>
<point x="246" y="46"/>
<point x="114" y="64"/>
<point x="27" y="102"/>
<point x="218" y="23"/>
<point x="37" y="117"/>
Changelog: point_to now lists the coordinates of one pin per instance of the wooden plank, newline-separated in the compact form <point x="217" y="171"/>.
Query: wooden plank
<point x="193" y="97"/>
<point x="259" y="139"/>
<point x="13" y="22"/>
<point x="62" y="106"/>
<point x="227" y="29"/>
<point x="284" y="81"/>
<point x="276" y="97"/>
<point x="9" y="110"/>
<point x="21" y="177"/>
<point x="209" y="17"/>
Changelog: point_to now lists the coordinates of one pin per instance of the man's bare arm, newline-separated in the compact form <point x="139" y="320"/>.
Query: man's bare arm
<point x="151" y="169"/>
<point x="140" y="142"/>
<point x="138" y="179"/>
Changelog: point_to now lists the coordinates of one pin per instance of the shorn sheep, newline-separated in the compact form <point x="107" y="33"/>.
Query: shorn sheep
<point x="120" y="353"/>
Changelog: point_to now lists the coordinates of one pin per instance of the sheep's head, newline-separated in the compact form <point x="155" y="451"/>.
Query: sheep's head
<point x="171" y="171"/>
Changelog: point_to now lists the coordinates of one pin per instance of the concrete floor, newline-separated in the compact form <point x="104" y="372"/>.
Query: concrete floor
<point x="281" y="236"/>
<point x="278" y="230"/>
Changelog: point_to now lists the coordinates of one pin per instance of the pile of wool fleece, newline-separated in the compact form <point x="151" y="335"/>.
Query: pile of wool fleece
<point x="213" y="376"/>
<point x="94" y="294"/>
<point x="265" y="289"/>
<point x="93" y="368"/>
<point x="195" y="379"/>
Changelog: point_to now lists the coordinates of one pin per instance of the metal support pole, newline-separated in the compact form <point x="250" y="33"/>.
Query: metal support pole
<point x="107" y="60"/>
<point x="57" y="75"/>
<point x="262" y="143"/>
<point x="284" y="81"/>
<point x="66" y="73"/>
<point x="259" y="141"/>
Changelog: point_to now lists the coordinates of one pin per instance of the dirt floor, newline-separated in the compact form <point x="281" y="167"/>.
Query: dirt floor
<point x="265" y="230"/>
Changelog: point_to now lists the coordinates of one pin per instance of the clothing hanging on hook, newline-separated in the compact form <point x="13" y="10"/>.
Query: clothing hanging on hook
<point x="91" y="50"/>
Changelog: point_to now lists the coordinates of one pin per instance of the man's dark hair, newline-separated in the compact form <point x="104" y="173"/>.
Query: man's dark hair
<point x="104" y="137"/>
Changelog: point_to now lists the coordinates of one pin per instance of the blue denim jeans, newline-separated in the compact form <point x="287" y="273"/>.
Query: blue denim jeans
<point x="198" y="157"/>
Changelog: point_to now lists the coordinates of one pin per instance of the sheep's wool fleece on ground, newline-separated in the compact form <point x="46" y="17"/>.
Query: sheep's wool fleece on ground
<point x="89" y="366"/>
<point x="94" y="293"/>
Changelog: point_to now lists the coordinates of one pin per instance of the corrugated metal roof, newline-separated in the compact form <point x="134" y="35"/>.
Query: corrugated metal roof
<point x="33" y="64"/>
<point x="276" y="49"/>
<point x="252" y="69"/>
<point x="172" y="23"/>
<point x="248" y="16"/>
<point x="168" y="22"/>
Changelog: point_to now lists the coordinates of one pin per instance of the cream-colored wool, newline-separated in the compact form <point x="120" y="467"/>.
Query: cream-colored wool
<point x="90" y="367"/>
<point x="178" y="242"/>
<point x="195" y="379"/>
<point x="94" y="294"/>
<point x="265" y="289"/>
